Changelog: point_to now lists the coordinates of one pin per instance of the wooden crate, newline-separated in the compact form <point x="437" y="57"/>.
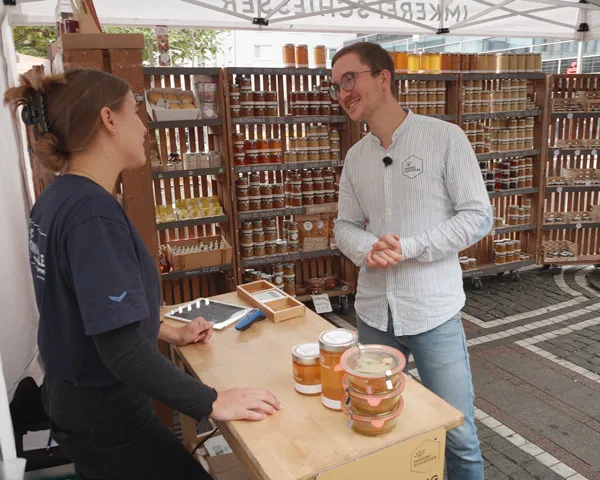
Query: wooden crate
<point x="191" y="261"/>
<point x="558" y="245"/>
<point x="569" y="105"/>
<point x="277" y="310"/>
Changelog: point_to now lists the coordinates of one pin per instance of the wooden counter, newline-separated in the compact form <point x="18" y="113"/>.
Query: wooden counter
<point x="306" y="440"/>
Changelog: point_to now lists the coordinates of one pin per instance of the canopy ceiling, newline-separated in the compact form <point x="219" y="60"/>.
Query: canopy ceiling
<point x="568" y="19"/>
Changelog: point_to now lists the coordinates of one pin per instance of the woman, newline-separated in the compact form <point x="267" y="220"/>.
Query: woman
<point x="98" y="292"/>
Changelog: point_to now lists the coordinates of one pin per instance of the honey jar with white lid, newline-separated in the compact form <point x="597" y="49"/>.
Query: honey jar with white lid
<point x="332" y="344"/>
<point x="307" y="368"/>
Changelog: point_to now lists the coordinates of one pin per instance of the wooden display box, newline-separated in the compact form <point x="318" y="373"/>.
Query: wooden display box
<point x="162" y="114"/>
<point x="569" y="104"/>
<point x="553" y="245"/>
<point x="191" y="261"/>
<point x="282" y="308"/>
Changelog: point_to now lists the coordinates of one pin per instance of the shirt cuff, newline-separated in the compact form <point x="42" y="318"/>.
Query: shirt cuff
<point x="410" y="248"/>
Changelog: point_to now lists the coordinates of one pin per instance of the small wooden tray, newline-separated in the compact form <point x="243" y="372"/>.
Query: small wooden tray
<point x="282" y="308"/>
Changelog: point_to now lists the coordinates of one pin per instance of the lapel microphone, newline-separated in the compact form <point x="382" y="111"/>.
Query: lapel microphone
<point x="387" y="161"/>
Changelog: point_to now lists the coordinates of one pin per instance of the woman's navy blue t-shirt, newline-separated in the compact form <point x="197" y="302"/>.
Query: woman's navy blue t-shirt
<point x="92" y="273"/>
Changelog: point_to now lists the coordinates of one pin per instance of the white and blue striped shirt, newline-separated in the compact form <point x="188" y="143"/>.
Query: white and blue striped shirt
<point x="433" y="196"/>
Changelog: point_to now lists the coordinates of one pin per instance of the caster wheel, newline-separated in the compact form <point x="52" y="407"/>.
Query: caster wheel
<point x="344" y="304"/>
<point x="555" y="268"/>
<point x="500" y="274"/>
<point x="515" y="275"/>
<point x="477" y="283"/>
<point x="546" y="266"/>
<point x="597" y="266"/>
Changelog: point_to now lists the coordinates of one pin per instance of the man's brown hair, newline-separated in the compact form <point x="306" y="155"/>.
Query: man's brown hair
<point x="373" y="55"/>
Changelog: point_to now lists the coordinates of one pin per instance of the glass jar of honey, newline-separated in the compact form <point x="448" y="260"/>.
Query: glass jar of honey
<point x="320" y="56"/>
<point x="274" y="145"/>
<point x="332" y="344"/>
<point x="301" y="56"/>
<point x="289" y="57"/>
<point x="307" y="369"/>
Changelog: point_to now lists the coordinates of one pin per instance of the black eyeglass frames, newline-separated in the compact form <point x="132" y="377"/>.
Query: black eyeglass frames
<point x="348" y="82"/>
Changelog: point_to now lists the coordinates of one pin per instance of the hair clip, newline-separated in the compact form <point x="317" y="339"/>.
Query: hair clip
<point x="34" y="113"/>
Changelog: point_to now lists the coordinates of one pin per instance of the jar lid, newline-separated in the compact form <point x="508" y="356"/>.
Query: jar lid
<point x="306" y="353"/>
<point x="337" y="339"/>
<point x="373" y="361"/>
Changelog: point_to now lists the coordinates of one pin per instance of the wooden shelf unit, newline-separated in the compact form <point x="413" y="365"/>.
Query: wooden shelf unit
<point x="569" y="126"/>
<point x="169" y="186"/>
<point x="284" y="126"/>
<point x="483" y="251"/>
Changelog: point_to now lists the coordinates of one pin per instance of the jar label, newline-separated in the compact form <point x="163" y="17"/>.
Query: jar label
<point x="338" y="337"/>
<point x="307" y="226"/>
<point x="333" y="404"/>
<point x="308" y="389"/>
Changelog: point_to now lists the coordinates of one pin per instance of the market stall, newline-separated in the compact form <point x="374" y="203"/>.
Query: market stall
<point x="307" y="439"/>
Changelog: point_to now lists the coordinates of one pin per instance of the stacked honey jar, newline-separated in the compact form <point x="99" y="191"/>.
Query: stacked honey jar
<point x="515" y="214"/>
<point x="364" y="381"/>
<point x="486" y="97"/>
<point x="500" y="135"/>
<point x="507" y="251"/>
<point x="423" y="97"/>
<point x="260" y="239"/>
<point x="435" y="62"/>
<point x="319" y="144"/>
<point x="314" y="102"/>
<point x="253" y="152"/>
<point x="467" y="263"/>
<point x="252" y="195"/>
<point x="310" y="187"/>
<point x="296" y="56"/>
<point x="244" y="102"/>
<point x="507" y="174"/>
<point x="283" y="277"/>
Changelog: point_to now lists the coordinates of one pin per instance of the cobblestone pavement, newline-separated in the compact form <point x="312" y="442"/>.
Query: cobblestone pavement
<point x="535" y="356"/>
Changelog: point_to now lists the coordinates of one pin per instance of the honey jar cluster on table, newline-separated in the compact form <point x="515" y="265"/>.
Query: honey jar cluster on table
<point x="365" y="382"/>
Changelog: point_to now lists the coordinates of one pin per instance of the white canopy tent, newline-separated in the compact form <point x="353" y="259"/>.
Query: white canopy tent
<point x="565" y="19"/>
<point x="560" y="19"/>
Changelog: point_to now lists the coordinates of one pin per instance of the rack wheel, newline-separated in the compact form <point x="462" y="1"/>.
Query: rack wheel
<point x="499" y="274"/>
<point x="515" y="275"/>
<point x="555" y="268"/>
<point x="597" y="266"/>
<point x="477" y="283"/>
<point x="343" y="304"/>
<point x="546" y="266"/>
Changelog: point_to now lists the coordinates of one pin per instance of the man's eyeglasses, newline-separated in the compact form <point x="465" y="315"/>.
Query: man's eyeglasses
<point x="348" y="82"/>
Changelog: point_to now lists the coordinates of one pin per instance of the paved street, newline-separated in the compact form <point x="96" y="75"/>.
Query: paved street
<point x="535" y="356"/>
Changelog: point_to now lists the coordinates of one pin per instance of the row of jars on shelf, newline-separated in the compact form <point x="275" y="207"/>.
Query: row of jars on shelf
<point x="515" y="214"/>
<point x="425" y="108"/>
<point x="421" y="86"/>
<point x="504" y="85"/>
<point x="506" y="251"/>
<point x="296" y="56"/>
<point x="422" y="97"/>
<point x="413" y="62"/>
<point x="488" y="106"/>
<point x="507" y="174"/>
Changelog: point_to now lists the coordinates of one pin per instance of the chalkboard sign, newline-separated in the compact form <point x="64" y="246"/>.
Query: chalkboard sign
<point x="223" y="314"/>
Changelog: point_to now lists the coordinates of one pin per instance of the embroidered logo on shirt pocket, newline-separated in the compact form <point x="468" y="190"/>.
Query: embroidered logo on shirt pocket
<point x="412" y="167"/>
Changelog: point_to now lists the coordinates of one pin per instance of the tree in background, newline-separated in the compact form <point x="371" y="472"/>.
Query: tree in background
<point x="186" y="45"/>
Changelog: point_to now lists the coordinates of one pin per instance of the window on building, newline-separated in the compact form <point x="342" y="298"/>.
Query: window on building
<point x="591" y="64"/>
<point x="263" y="52"/>
<point x="550" y="67"/>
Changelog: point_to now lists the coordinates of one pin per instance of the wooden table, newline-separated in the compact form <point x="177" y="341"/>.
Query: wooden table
<point x="306" y="440"/>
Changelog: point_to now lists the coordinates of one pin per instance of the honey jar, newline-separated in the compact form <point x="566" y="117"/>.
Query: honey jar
<point x="301" y="56"/>
<point x="307" y="369"/>
<point x="282" y="247"/>
<point x="332" y="344"/>
<point x="247" y="251"/>
<point x="289" y="57"/>
<point x="259" y="250"/>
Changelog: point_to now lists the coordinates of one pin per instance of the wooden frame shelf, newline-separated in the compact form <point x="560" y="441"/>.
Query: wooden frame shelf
<point x="570" y="115"/>
<point x="195" y="172"/>
<point x="570" y="189"/>
<point x="289" y="120"/>
<point x="514" y="192"/>
<point x="289" y="257"/>
<point x="493" y="269"/>
<point x="555" y="151"/>
<point x="505" y="76"/>
<point x="448" y="117"/>
<point x="443" y="77"/>
<point x="570" y="226"/>
<point x="514" y="228"/>
<point x="337" y="292"/>
<point x="286" y="166"/>
<point x="514" y="153"/>
<point x="203" y="122"/>
<point x="181" y="71"/>
<point x="278" y="71"/>
<point x="192" y="222"/>
<point x="198" y="271"/>
<point x="516" y="113"/>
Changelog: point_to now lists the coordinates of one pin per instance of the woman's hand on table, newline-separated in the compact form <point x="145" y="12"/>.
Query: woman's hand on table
<point x="245" y="404"/>
<point x="198" y="330"/>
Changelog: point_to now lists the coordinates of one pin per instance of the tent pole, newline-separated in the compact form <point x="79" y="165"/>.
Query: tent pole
<point x="580" y="46"/>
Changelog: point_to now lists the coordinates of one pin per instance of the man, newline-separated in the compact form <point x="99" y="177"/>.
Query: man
<point x="411" y="197"/>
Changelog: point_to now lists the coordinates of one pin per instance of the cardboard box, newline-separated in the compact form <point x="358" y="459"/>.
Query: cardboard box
<point x="191" y="261"/>
<point x="165" y="115"/>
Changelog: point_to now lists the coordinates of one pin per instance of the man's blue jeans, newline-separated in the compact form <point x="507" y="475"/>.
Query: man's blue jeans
<point x="442" y="361"/>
